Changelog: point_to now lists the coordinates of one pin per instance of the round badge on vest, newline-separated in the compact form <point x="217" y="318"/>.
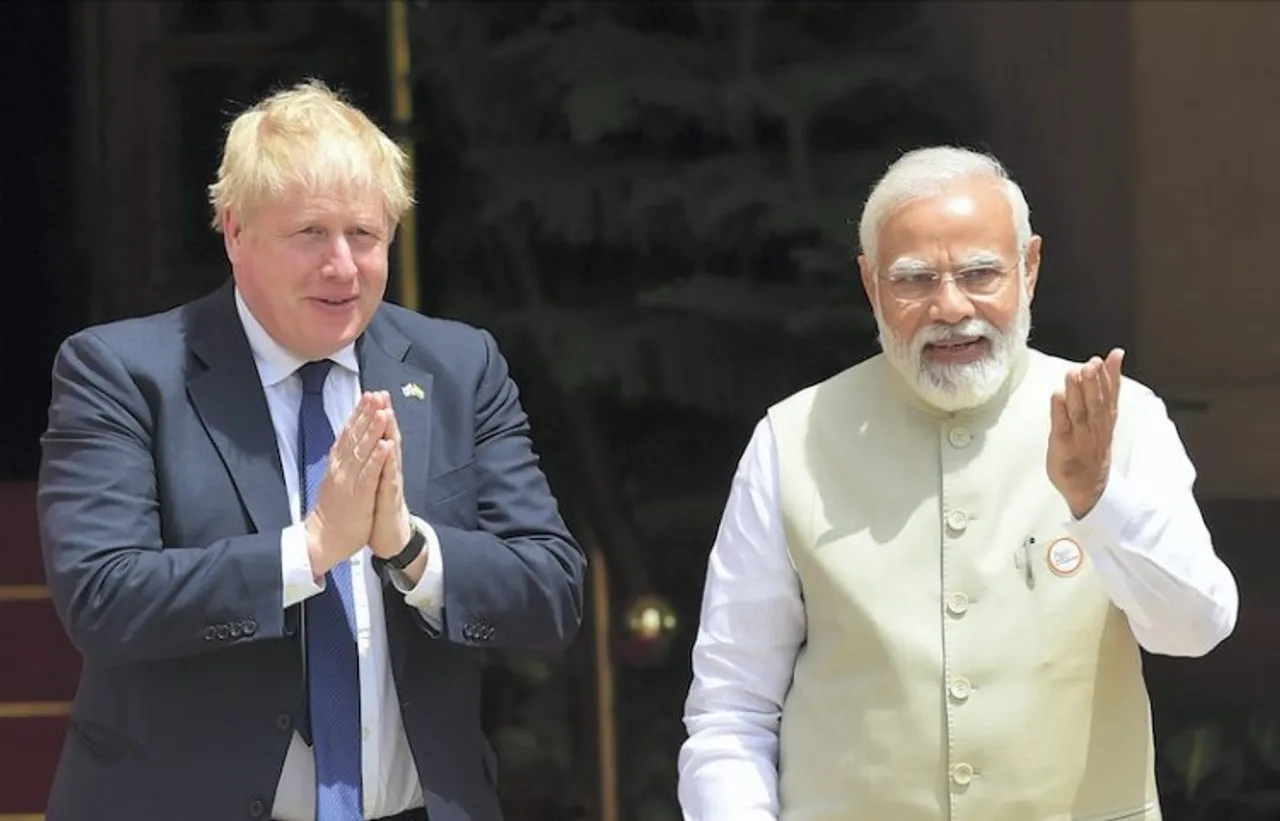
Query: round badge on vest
<point x="1064" y="557"/>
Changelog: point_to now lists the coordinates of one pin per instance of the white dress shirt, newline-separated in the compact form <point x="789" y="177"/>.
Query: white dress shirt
<point x="1146" y="537"/>
<point x="390" y="777"/>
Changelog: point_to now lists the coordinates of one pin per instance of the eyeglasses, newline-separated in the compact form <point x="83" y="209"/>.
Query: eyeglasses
<point x="972" y="282"/>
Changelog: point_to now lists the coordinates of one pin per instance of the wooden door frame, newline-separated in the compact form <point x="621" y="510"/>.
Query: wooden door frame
<point x="124" y="61"/>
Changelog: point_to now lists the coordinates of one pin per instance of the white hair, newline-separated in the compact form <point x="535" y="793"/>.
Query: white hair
<point x="924" y="173"/>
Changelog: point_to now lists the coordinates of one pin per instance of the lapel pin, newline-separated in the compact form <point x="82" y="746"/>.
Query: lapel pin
<point x="412" y="390"/>
<point x="1065" y="557"/>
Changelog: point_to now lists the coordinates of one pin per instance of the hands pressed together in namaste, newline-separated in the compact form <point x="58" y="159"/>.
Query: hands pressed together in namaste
<point x="361" y="500"/>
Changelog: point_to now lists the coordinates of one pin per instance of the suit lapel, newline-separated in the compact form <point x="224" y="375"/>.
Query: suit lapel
<point x="230" y="402"/>
<point x="381" y="352"/>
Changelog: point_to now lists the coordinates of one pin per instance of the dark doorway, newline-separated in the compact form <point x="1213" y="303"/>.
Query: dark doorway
<point x="42" y="289"/>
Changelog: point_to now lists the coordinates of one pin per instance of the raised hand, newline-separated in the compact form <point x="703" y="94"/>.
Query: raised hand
<point x="340" y="522"/>
<point x="1083" y="423"/>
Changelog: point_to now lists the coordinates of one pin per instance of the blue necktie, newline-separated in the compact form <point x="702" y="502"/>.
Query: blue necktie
<point x="333" y="672"/>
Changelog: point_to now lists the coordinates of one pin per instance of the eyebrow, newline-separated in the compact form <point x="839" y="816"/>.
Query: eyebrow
<point x="320" y="221"/>
<point x="981" y="259"/>
<point x="906" y="266"/>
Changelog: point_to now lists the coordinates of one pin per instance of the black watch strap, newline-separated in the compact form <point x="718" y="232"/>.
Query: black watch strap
<point x="417" y="541"/>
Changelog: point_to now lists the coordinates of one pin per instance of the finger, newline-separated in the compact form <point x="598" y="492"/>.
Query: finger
<point x="1076" y="408"/>
<point x="1114" y="363"/>
<point x="373" y="433"/>
<point x="1093" y="388"/>
<point x="393" y="427"/>
<point x="389" y="483"/>
<point x="1104" y="371"/>
<point x="1115" y="360"/>
<point x="371" y="470"/>
<point x="1060" y="420"/>
<point x="1109" y="383"/>
<point x="356" y="426"/>
<point x="381" y="400"/>
<point x="385" y="492"/>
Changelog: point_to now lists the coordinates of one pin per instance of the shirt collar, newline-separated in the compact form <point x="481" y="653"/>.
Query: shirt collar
<point x="276" y="363"/>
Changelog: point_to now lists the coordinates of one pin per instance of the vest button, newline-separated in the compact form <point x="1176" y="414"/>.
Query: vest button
<point x="962" y="774"/>
<point x="960" y="689"/>
<point x="960" y="437"/>
<point x="957" y="520"/>
<point x="957" y="604"/>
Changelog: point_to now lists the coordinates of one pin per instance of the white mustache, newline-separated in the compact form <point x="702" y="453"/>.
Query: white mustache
<point x="972" y="328"/>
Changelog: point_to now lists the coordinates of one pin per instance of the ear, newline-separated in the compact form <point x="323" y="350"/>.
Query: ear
<point x="231" y="240"/>
<point x="1033" y="265"/>
<point x="869" y="281"/>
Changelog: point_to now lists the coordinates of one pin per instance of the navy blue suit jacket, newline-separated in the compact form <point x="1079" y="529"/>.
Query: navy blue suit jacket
<point x="161" y="503"/>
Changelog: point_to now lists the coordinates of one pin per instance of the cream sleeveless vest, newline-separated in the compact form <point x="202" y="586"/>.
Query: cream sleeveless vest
<point x="962" y="662"/>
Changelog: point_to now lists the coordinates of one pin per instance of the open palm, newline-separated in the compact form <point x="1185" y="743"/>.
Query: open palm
<point x="1083" y="422"/>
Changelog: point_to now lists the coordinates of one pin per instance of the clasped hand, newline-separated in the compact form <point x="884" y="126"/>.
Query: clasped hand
<point x="1083" y="422"/>
<point x="361" y="499"/>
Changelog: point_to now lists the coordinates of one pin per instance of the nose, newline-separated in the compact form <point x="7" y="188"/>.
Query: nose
<point x="339" y="261"/>
<point x="950" y="304"/>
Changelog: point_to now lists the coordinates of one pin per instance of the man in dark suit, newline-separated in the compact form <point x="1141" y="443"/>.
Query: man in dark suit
<point x="282" y="521"/>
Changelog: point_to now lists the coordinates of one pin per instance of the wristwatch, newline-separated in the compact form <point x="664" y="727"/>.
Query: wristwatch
<point x="417" y="541"/>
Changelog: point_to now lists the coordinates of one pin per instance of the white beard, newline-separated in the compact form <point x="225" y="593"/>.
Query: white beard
<point x="953" y="388"/>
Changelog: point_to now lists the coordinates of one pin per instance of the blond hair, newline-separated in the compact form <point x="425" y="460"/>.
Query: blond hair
<point x="307" y="135"/>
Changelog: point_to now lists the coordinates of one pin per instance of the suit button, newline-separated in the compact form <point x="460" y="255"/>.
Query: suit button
<point x="235" y="629"/>
<point x="223" y="632"/>
<point x="284" y="722"/>
<point x="210" y="634"/>
<point x="257" y="808"/>
<point x="249" y="626"/>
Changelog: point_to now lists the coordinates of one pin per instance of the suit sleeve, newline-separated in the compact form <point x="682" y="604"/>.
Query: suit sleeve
<point x="516" y="582"/>
<point x="123" y="595"/>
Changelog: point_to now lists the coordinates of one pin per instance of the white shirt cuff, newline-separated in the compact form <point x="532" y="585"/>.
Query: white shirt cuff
<point x="299" y="581"/>
<point x="428" y="594"/>
<point x="1119" y="505"/>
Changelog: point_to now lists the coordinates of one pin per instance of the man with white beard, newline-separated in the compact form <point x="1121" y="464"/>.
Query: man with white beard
<point x="936" y="570"/>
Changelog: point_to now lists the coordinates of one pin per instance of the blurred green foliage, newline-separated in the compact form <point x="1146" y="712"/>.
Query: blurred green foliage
<point x="654" y="207"/>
